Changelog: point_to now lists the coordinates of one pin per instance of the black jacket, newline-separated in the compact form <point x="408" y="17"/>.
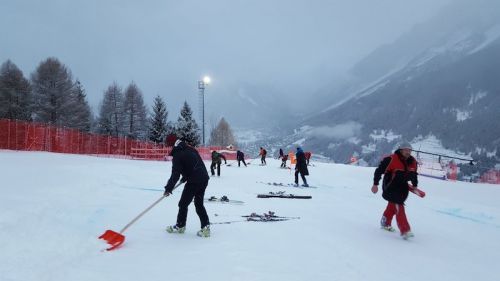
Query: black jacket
<point x="240" y="156"/>
<point x="302" y="163"/>
<point x="188" y="163"/>
<point x="217" y="158"/>
<point x="395" y="183"/>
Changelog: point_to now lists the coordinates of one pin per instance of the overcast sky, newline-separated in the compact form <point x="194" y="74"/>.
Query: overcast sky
<point x="166" y="46"/>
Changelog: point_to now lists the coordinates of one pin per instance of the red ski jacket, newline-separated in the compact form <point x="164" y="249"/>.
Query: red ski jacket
<point x="397" y="172"/>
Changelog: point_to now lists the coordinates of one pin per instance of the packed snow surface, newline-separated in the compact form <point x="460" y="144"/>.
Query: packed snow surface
<point x="53" y="207"/>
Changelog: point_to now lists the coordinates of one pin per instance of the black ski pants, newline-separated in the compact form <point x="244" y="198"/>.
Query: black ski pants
<point x="212" y="168"/>
<point x="301" y="175"/>
<point x="196" y="191"/>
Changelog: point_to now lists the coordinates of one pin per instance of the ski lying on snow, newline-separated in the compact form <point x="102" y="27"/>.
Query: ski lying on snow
<point x="283" y="194"/>
<point x="254" y="217"/>
<point x="269" y="214"/>
<point x="286" y="196"/>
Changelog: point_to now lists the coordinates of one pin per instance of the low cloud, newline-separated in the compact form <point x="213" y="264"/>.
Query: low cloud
<point x="339" y="132"/>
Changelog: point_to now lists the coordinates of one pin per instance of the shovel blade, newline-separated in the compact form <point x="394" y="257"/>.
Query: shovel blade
<point x="113" y="238"/>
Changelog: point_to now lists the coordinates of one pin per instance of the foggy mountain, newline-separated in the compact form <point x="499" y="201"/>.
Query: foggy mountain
<point x="452" y="22"/>
<point x="440" y="80"/>
<point x="253" y="106"/>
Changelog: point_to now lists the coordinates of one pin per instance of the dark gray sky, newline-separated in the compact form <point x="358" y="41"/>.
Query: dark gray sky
<point x="166" y="46"/>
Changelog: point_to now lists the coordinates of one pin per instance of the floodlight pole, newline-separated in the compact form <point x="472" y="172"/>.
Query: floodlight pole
<point x="201" y="88"/>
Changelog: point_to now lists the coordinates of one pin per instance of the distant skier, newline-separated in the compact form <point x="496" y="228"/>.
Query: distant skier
<point x="216" y="162"/>
<point x="308" y="156"/>
<point x="284" y="158"/>
<point x="263" y="154"/>
<point x="187" y="162"/>
<point x="398" y="169"/>
<point x="301" y="167"/>
<point x="281" y="154"/>
<point x="240" y="157"/>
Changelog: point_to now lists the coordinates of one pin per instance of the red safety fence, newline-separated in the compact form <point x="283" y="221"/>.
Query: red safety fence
<point x="492" y="176"/>
<point x="31" y="136"/>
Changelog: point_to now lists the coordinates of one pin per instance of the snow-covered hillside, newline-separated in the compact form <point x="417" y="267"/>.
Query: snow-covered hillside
<point x="53" y="207"/>
<point x="438" y="79"/>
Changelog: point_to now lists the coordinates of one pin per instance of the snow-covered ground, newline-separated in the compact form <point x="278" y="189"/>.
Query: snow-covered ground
<point x="53" y="207"/>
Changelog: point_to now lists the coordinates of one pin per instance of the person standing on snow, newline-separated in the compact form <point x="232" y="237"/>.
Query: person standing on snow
<point x="281" y="154"/>
<point x="398" y="169"/>
<point x="263" y="154"/>
<point x="217" y="161"/>
<point x="187" y="162"/>
<point x="283" y="161"/>
<point x="301" y="167"/>
<point x="240" y="157"/>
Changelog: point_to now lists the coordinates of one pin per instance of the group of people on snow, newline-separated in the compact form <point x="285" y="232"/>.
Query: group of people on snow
<point x="397" y="170"/>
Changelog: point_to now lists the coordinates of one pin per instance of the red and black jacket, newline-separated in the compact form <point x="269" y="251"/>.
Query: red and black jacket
<point x="397" y="173"/>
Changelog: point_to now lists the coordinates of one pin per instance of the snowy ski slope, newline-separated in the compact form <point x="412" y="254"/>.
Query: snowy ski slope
<point x="53" y="207"/>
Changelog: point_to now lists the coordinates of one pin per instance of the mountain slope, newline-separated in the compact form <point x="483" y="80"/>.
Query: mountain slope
<point x="459" y="18"/>
<point x="450" y="91"/>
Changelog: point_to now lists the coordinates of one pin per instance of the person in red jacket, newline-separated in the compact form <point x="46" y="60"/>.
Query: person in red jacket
<point x="263" y="154"/>
<point x="398" y="169"/>
<point x="308" y="155"/>
<point x="284" y="158"/>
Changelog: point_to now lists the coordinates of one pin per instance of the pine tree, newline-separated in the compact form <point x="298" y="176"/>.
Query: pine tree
<point x="135" y="113"/>
<point x="222" y="135"/>
<point x="158" y="121"/>
<point x="81" y="117"/>
<point x="111" y="117"/>
<point x="52" y="90"/>
<point x="186" y="127"/>
<point x="15" y="93"/>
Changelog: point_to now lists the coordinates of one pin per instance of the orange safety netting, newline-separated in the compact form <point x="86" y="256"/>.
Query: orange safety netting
<point x="491" y="176"/>
<point x="31" y="136"/>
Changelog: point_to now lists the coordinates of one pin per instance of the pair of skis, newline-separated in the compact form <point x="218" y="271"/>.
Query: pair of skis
<point x="283" y="194"/>
<point x="265" y="217"/>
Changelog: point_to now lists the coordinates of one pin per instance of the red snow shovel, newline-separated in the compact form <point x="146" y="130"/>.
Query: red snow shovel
<point x="115" y="239"/>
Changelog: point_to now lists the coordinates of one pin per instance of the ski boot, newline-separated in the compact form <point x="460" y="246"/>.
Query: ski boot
<point x="175" y="229"/>
<point x="385" y="226"/>
<point x="224" y="199"/>
<point x="204" y="232"/>
<point x="254" y="215"/>
<point x="212" y="198"/>
<point x="407" y="235"/>
<point x="296" y="184"/>
<point x="305" y="185"/>
<point x="271" y="214"/>
<point x="388" y="228"/>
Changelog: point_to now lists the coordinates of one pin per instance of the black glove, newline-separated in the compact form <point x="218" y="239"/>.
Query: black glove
<point x="167" y="192"/>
